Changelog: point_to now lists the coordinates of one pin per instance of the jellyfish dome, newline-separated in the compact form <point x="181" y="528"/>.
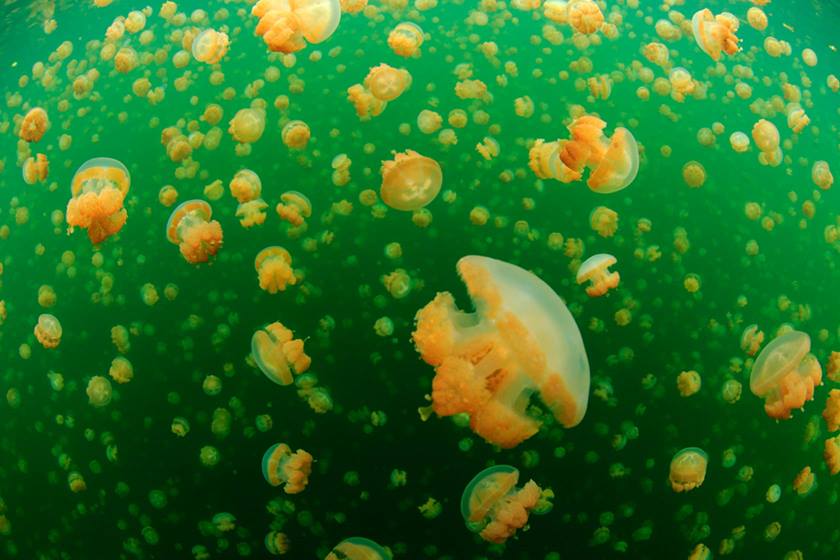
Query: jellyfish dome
<point x="688" y="469"/>
<point x="410" y="181"/>
<point x="190" y="227"/>
<point x="715" y="33"/>
<point x="278" y="354"/>
<point x="520" y="341"/>
<point x="785" y="374"/>
<point x="357" y="548"/>
<point x="595" y="270"/>
<point x="48" y="331"/>
<point x="281" y="466"/>
<point x="98" y="190"/>
<point x="287" y="25"/>
<point x="619" y="165"/>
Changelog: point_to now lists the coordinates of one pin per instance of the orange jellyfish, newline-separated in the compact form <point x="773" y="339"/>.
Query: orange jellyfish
<point x="784" y="374"/>
<point x="595" y="270"/>
<point x="36" y="169"/>
<point x="585" y="16"/>
<point x="190" y="227"/>
<point x="406" y="39"/>
<point x="520" y="341"/>
<point x="274" y="269"/>
<point x="251" y="213"/>
<point x="751" y="339"/>
<point x="98" y="190"/>
<point x="281" y="466"/>
<point x="386" y="82"/>
<point x="831" y="454"/>
<point x="295" y="135"/>
<point x="364" y="102"/>
<point x="287" y="25"/>
<point x="821" y="175"/>
<point x="294" y="207"/>
<point x="766" y="137"/>
<point x="245" y="186"/>
<point x="48" y="331"/>
<point x="688" y="469"/>
<point x="831" y="413"/>
<point x="410" y="181"/>
<point x="357" y="548"/>
<point x="210" y="46"/>
<point x="804" y="482"/>
<point x="34" y="125"/>
<point x="247" y="125"/>
<point x="494" y="507"/>
<point x="278" y="354"/>
<point x="715" y="33"/>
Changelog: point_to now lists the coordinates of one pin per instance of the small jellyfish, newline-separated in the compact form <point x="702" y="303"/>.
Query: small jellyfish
<point x="190" y="227"/>
<point x="784" y="374"/>
<point x="36" y="169"/>
<point x="682" y="83"/>
<point x="494" y="507"/>
<point x="295" y="135"/>
<point x="604" y="221"/>
<point x="210" y="46"/>
<point x="34" y="125"/>
<point x="287" y="25"/>
<point x="694" y="174"/>
<point x="410" y="181"/>
<point x="121" y="370"/>
<point x="688" y="469"/>
<point x="278" y="354"/>
<point x="277" y="543"/>
<point x="364" y="102"/>
<point x="386" y="82"/>
<point x="805" y="481"/>
<point x="98" y="190"/>
<point x="595" y="269"/>
<point x="739" y="141"/>
<point x="98" y="391"/>
<point x="294" y="207"/>
<point x="357" y="548"/>
<point x="757" y="18"/>
<point x="715" y="33"/>
<point x="281" y="466"/>
<point x="831" y="454"/>
<point x="274" y="269"/>
<point x="251" y="213"/>
<point x="751" y="339"/>
<point x="821" y="175"/>
<point x="831" y="413"/>
<point x="48" y="331"/>
<point x="688" y="383"/>
<point x="585" y="16"/>
<point x="406" y="39"/>
<point x="766" y="137"/>
<point x="245" y="186"/>
<point x="247" y="125"/>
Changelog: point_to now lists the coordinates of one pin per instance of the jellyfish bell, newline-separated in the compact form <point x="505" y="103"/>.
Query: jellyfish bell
<point x="688" y="469"/>
<point x="410" y="181"/>
<point x="619" y="165"/>
<point x="785" y="374"/>
<point x="294" y="207"/>
<point x="595" y="269"/>
<point x="357" y="548"/>
<point x="189" y="226"/>
<point x="715" y="33"/>
<point x="278" y="354"/>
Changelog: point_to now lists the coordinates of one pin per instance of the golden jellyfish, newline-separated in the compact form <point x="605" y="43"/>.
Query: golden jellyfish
<point x="287" y="25"/>
<point x="809" y="57"/>
<point x="595" y="270"/>
<point x="294" y="207"/>
<point x="833" y="83"/>
<point x="386" y="82"/>
<point x="34" y="124"/>
<point x="295" y="135"/>
<point x="831" y="413"/>
<point x="36" y="169"/>
<point x="488" y="148"/>
<point x="688" y="469"/>
<point x="190" y="227"/>
<point x="358" y="548"/>
<point x="585" y="16"/>
<point x="657" y="53"/>
<point x="247" y="125"/>
<point x="521" y="340"/>
<point x="751" y="339"/>
<point x="831" y="454"/>
<point x="604" y="221"/>
<point x="757" y="18"/>
<point x="694" y="174"/>
<point x="406" y="39"/>
<point x="682" y="83"/>
<point x="210" y="46"/>
<point x="688" y="383"/>
<point x="821" y="175"/>
<point x="274" y="269"/>
<point x="715" y="33"/>
<point x="364" y="102"/>
<point x="281" y="466"/>
<point x="429" y="121"/>
<point x="804" y="482"/>
<point x="48" y="331"/>
<point x="766" y="137"/>
<point x="495" y="508"/>
<point x="251" y="213"/>
<point x="278" y="354"/>
<point x="410" y="181"/>
<point x="797" y="119"/>
<point x="785" y="374"/>
<point x="121" y="370"/>
<point x="98" y="391"/>
<point x="98" y="191"/>
<point x="245" y="186"/>
<point x="739" y="141"/>
<point x="700" y="552"/>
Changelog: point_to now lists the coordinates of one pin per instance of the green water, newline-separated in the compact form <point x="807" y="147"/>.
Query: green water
<point x="610" y="501"/>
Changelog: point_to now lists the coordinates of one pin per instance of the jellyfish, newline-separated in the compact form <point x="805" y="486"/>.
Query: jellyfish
<point x="98" y="391"/>
<point x="245" y="186"/>
<point x="287" y="25"/>
<point x="715" y="33"/>
<point x="688" y="383"/>
<point x="36" y="169"/>
<point x="294" y="207"/>
<point x="210" y="46"/>
<point x="604" y="221"/>
<point x="494" y="507"/>
<point x="387" y="83"/>
<point x="694" y="174"/>
<point x="751" y="339"/>
<point x="757" y="18"/>
<point x="364" y="102"/>
<point x="295" y="135"/>
<point x="766" y="137"/>
<point x="121" y="370"/>
<point x="804" y="482"/>
<point x="410" y="181"/>
<point x="657" y="53"/>
<point x="521" y="340"/>
<point x="190" y="227"/>
<point x="48" y="331"/>
<point x="784" y="374"/>
<point x="831" y="454"/>
<point x="739" y="141"/>
<point x="278" y="354"/>
<point x="585" y="16"/>
<point x="281" y="466"/>
<point x="34" y="124"/>
<point x="357" y="548"/>
<point x="251" y="213"/>
<point x="247" y="125"/>
<point x="688" y="469"/>
<point x="406" y="39"/>
<point x="274" y="269"/>
<point x="277" y="543"/>
<point x="98" y="190"/>
<point x="831" y="413"/>
<point x="821" y="175"/>
<point x="595" y="269"/>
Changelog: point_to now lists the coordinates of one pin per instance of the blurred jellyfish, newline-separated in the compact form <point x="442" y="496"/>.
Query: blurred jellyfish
<point x="688" y="469"/>
<point x="281" y="466"/>
<point x="48" y="331"/>
<point x="295" y="135"/>
<point x="287" y="25"/>
<point x="278" y="354"/>
<point x="121" y="370"/>
<point x="821" y="175"/>
<point x="406" y="39"/>
<point x="410" y="181"/>
<point x="251" y="213"/>
<point x="595" y="270"/>
<point x="34" y="125"/>
<point x="210" y="46"/>
<point x="784" y="374"/>
<point x="715" y="33"/>
<point x="274" y="269"/>
<point x="98" y="391"/>
<point x="751" y="339"/>
<point x="805" y="481"/>
<point x="98" y="190"/>
<point x="190" y="227"/>
<point x="277" y="543"/>
<point x="831" y="454"/>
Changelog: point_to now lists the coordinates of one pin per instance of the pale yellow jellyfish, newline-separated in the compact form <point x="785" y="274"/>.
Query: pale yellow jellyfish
<point x="190" y="227"/>
<point x="595" y="270"/>
<point x="682" y="83"/>
<point x="358" y="548"/>
<point x="757" y="18"/>
<point x="406" y="39"/>
<point x="291" y="469"/>
<point x="751" y="339"/>
<point x="251" y="213"/>
<point x="809" y="57"/>
<point x="619" y="165"/>
<point x="688" y="469"/>
<point x="784" y="374"/>
<point x="410" y="181"/>
<point x="210" y="46"/>
<point x="495" y="508"/>
<point x="688" y="383"/>
<point x="804" y="482"/>
<point x="694" y="174"/>
<point x="585" y="16"/>
<point x="715" y="33"/>
<point x="739" y="141"/>
<point x="766" y="137"/>
<point x="98" y="391"/>
<point x="274" y="269"/>
<point x="294" y="207"/>
<point x="287" y="25"/>
<point x="700" y="552"/>
<point x="278" y="354"/>
<point x="36" y="169"/>
<point x="48" y="331"/>
<point x="797" y="119"/>
<point x="521" y="340"/>
<point x="657" y="53"/>
<point x="604" y="221"/>
<point x="34" y="124"/>
<point x="245" y="186"/>
<point x="295" y="135"/>
<point x="247" y="125"/>
<point x="429" y="121"/>
<point x="121" y="370"/>
<point x="821" y="175"/>
<point x="98" y="190"/>
<point x="386" y="82"/>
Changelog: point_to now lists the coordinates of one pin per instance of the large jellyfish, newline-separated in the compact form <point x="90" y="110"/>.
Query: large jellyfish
<point x="287" y="25"/>
<point x="190" y="227"/>
<point x="784" y="374"/>
<point x="715" y="33"/>
<point x="595" y="270"/>
<point x="274" y="269"/>
<point x="282" y="466"/>
<point x="357" y="548"/>
<point x="495" y="508"/>
<point x="48" y="331"/>
<point x="98" y="191"/>
<point x="410" y="181"/>
<point x="278" y="354"/>
<point x="688" y="469"/>
<point x="521" y="340"/>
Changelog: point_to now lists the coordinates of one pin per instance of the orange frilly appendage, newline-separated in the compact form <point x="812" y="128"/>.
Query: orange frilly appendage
<point x="296" y="470"/>
<point x="831" y="454"/>
<point x="513" y="514"/>
<point x="831" y="413"/>
<point x="201" y="241"/>
<point x="101" y="213"/>
<point x="275" y="274"/>
<point x="794" y="389"/>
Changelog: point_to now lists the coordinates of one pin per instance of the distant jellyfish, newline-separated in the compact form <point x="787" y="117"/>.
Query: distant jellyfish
<point x="98" y="391"/>
<point x="688" y="469"/>
<point x="36" y="169"/>
<point x="595" y="270"/>
<point x="247" y="125"/>
<point x="190" y="227"/>
<point x="281" y="466"/>
<point x="751" y="339"/>
<point x="386" y="82"/>
<point x="287" y="25"/>
<point x="688" y="383"/>
<point x="521" y="341"/>
<point x="277" y="543"/>
<point x="48" y="331"/>
<point x="210" y="46"/>
<point x="715" y="33"/>
<point x="700" y="552"/>
<point x="821" y="175"/>
<point x="98" y="191"/>
<point x="831" y="413"/>
<point x="357" y="548"/>
<point x="274" y="269"/>
<point x="245" y="186"/>
<point x="682" y="83"/>
<point x="494" y="507"/>
<point x="364" y="102"/>
<point x="410" y="181"/>
<point x="278" y="354"/>
<point x="809" y="57"/>
<point x="121" y="370"/>
<point x="34" y="125"/>
<point x="784" y="374"/>
<point x="766" y="137"/>
<point x="406" y="39"/>
<point x="757" y="18"/>
<point x="739" y="141"/>
<point x="251" y="213"/>
<point x="294" y="207"/>
<point x="694" y="174"/>
<point x="831" y="454"/>
<point x="805" y="481"/>
<point x="604" y="221"/>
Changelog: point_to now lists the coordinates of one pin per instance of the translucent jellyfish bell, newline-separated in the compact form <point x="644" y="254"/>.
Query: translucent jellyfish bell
<point x="98" y="189"/>
<point x="619" y="166"/>
<point x="286" y="25"/>
<point x="278" y="354"/>
<point x="48" y="331"/>
<point x="281" y="466"/>
<point x="715" y="34"/>
<point x="357" y="548"/>
<point x="595" y="269"/>
<point x="189" y="226"/>
<point x="784" y="374"/>
<point x="688" y="469"/>
<point x="210" y="46"/>
<point x="410" y="181"/>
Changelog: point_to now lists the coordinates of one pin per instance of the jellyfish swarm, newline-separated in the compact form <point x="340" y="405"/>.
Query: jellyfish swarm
<point x="287" y="25"/>
<point x="494" y="507"/>
<point x="281" y="466"/>
<point x="715" y="33"/>
<point x="190" y="228"/>
<point x="688" y="469"/>
<point x="357" y="548"/>
<point x="784" y="374"/>
<point x="274" y="269"/>
<point x="278" y="354"/>
<point x="410" y="181"/>
<point x="595" y="269"/>
<point x="98" y="190"/>
<point x="521" y="340"/>
<point x="48" y="331"/>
